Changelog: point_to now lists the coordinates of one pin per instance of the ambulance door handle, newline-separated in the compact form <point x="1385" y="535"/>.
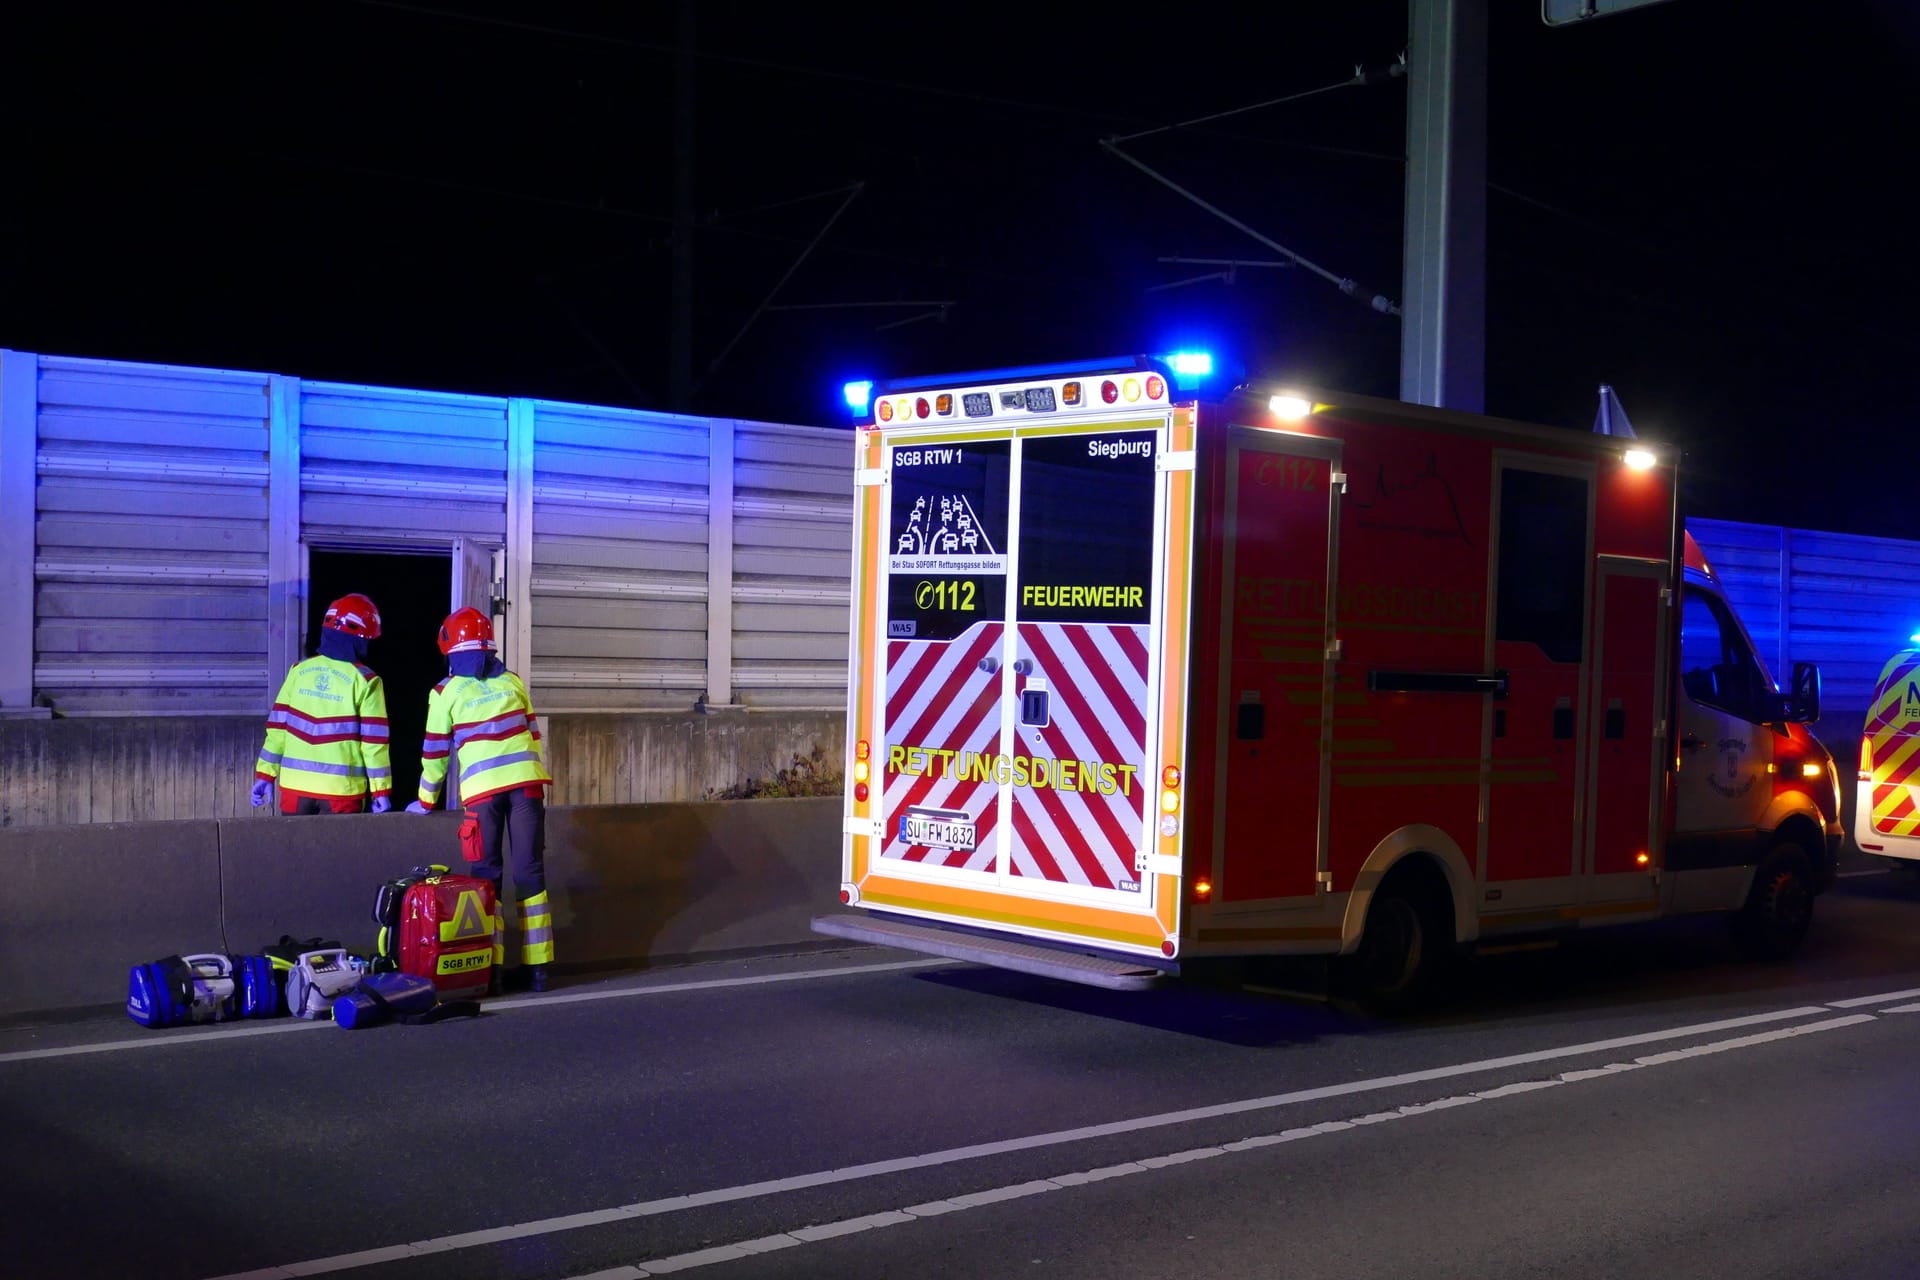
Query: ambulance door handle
<point x="1689" y="742"/>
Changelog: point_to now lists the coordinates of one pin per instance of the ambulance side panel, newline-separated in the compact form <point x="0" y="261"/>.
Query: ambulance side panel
<point x="1431" y="641"/>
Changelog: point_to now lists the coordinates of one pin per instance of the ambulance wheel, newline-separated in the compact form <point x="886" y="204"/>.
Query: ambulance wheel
<point x="1402" y="950"/>
<point x="1779" y="909"/>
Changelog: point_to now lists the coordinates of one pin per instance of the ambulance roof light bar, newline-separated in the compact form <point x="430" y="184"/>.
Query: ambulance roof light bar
<point x="1026" y="372"/>
<point x="858" y="395"/>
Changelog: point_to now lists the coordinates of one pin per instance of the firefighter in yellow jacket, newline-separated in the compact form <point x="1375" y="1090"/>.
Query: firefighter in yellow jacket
<point x="326" y="740"/>
<point x="480" y="719"/>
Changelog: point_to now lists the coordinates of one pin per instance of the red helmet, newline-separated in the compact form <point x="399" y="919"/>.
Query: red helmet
<point x="466" y="629"/>
<point x="354" y="615"/>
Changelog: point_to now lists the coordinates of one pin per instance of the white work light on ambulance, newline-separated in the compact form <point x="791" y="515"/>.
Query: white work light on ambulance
<point x="1639" y="459"/>
<point x="1289" y="408"/>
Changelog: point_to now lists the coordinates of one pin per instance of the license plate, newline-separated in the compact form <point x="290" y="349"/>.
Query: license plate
<point x="937" y="829"/>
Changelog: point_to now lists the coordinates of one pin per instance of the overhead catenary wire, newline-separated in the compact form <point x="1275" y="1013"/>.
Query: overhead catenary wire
<point x="852" y="194"/>
<point x="1360" y="76"/>
<point x="1346" y="284"/>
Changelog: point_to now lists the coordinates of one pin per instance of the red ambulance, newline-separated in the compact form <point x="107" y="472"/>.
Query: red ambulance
<point x="1139" y="678"/>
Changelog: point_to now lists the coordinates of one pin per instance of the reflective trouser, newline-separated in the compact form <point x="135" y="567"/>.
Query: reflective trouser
<point x="521" y="818"/>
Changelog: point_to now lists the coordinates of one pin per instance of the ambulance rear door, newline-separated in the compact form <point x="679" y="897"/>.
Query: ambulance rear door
<point x="1027" y="697"/>
<point x="1084" y="659"/>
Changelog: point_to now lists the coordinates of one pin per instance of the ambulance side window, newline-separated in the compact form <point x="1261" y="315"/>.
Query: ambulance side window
<point x="1717" y="669"/>
<point x="1543" y="562"/>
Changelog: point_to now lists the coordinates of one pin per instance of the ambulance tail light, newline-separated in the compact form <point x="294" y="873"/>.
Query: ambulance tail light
<point x="1202" y="890"/>
<point x="1866" y="759"/>
<point x="862" y="770"/>
<point x="1156" y="387"/>
<point x="1110" y="391"/>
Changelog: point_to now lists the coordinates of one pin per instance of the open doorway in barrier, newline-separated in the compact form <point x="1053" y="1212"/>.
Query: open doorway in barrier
<point x="413" y="593"/>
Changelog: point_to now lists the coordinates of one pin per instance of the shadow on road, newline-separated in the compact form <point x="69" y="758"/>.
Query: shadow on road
<point x="1866" y="929"/>
<point x="1209" y="1009"/>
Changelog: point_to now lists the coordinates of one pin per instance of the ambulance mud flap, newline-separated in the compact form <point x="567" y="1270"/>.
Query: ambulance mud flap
<point x="1113" y="973"/>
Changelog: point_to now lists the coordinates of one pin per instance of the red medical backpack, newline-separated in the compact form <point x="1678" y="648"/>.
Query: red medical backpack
<point x="437" y="925"/>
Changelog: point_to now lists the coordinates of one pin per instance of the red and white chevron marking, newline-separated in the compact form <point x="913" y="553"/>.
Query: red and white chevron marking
<point x="938" y="698"/>
<point x="1097" y="691"/>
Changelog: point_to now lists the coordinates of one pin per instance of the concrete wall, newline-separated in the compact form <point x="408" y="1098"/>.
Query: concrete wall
<point x="631" y="884"/>
<point x="177" y="768"/>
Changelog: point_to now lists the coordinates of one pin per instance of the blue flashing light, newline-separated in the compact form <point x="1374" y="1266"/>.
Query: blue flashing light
<point x="1192" y="364"/>
<point x="1914" y="638"/>
<point x="858" y="395"/>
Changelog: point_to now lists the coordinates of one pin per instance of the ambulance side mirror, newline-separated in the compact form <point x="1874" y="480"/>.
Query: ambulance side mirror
<point x="1801" y="703"/>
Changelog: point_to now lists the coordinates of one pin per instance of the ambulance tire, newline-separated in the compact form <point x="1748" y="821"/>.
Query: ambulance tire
<point x="1779" y="908"/>
<point x="1405" y="948"/>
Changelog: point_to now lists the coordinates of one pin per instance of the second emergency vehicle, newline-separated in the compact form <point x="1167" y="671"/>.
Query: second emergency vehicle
<point x="1886" y="803"/>
<point x="1294" y="672"/>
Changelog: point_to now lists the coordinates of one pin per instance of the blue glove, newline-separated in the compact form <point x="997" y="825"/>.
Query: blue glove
<point x="418" y="807"/>
<point x="262" y="789"/>
<point x="382" y="803"/>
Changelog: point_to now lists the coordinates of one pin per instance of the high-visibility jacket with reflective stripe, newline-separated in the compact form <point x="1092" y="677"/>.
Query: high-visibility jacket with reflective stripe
<point x="327" y="732"/>
<point x="486" y="728"/>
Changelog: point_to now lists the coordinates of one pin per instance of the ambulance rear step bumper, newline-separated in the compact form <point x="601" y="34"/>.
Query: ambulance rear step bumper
<point x="1002" y="953"/>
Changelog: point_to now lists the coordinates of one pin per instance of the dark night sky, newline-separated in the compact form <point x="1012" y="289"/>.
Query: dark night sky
<point x="1705" y="203"/>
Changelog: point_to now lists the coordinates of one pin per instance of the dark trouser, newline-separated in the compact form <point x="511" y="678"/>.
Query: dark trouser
<point x="307" y="806"/>
<point x="522" y="819"/>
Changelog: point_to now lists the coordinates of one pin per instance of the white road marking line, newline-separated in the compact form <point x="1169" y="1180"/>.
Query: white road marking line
<point x="162" y="1040"/>
<point x="229" y="1031"/>
<point x="1903" y="1008"/>
<point x="1885" y="997"/>
<point x="997" y="1195"/>
<point x="1855" y="875"/>
<point x="1031" y="1142"/>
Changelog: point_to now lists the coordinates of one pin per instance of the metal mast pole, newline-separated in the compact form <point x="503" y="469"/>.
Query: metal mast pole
<point x="1443" y="333"/>
<point x="680" y="342"/>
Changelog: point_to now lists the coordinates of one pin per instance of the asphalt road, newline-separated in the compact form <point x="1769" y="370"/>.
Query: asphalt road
<point x="1638" y="1101"/>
